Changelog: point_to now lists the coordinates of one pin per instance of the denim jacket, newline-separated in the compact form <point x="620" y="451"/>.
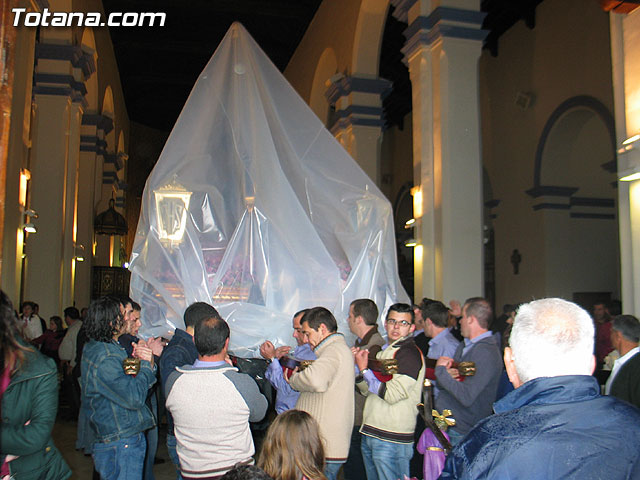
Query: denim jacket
<point x="113" y="401"/>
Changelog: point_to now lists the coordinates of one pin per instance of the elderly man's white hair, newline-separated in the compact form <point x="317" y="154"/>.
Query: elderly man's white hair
<point x="552" y="337"/>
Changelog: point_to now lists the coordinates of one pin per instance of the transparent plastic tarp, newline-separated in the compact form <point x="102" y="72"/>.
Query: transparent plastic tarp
<point x="253" y="206"/>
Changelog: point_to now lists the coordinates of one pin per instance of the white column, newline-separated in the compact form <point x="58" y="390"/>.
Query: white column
<point x="84" y="235"/>
<point x="71" y="207"/>
<point x="442" y="50"/>
<point x="625" y="31"/>
<point x="49" y="163"/>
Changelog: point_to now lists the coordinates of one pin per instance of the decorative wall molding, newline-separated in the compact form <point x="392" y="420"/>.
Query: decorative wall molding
<point x="402" y="7"/>
<point x="443" y="22"/>
<point x="72" y="53"/>
<point x="102" y="122"/>
<point x="344" y="86"/>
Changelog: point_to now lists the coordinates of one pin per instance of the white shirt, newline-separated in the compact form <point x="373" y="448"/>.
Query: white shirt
<point x="31" y="327"/>
<point x="616" y="368"/>
<point x="67" y="350"/>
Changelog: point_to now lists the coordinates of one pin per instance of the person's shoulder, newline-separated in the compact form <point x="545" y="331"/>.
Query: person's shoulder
<point x="36" y="363"/>
<point x="376" y="339"/>
<point x="634" y="361"/>
<point x="242" y="381"/>
<point x="449" y="337"/>
<point x="335" y="341"/>
<point x="618" y="410"/>
<point x="103" y="350"/>
<point x="489" y="344"/>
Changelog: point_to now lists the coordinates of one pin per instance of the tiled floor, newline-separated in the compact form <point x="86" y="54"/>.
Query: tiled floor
<point x="64" y="436"/>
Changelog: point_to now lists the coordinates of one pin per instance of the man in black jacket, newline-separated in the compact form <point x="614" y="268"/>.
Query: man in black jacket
<point x="624" y="381"/>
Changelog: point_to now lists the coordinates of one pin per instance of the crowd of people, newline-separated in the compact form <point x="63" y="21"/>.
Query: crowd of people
<point x="512" y="398"/>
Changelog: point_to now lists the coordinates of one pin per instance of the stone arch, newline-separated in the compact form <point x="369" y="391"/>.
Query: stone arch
<point x="327" y="66"/>
<point x="368" y="38"/>
<point x="120" y="148"/>
<point x="579" y="121"/>
<point x="574" y="180"/>
<point x="88" y="45"/>
<point x="108" y="111"/>
<point x="107" y="103"/>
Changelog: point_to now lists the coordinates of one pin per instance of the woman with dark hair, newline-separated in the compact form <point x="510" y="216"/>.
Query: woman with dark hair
<point x="292" y="448"/>
<point x="29" y="393"/>
<point x="114" y="390"/>
<point x="51" y="338"/>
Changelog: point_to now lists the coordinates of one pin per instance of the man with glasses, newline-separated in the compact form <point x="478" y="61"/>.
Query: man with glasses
<point x="389" y="417"/>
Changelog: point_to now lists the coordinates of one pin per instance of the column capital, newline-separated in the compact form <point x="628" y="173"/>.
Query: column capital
<point x="76" y="55"/>
<point x="441" y="23"/>
<point x="102" y="122"/>
<point x="358" y="101"/>
<point x="344" y="85"/>
<point x="68" y="80"/>
<point x="402" y="7"/>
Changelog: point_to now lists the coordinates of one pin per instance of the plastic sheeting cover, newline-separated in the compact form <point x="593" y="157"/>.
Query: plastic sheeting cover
<point x="254" y="206"/>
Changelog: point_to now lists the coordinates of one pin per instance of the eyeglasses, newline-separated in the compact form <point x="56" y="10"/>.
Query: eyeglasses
<point x="400" y="323"/>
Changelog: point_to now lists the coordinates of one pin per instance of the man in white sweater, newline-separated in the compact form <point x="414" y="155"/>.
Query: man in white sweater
<point x="326" y="387"/>
<point x="212" y="405"/>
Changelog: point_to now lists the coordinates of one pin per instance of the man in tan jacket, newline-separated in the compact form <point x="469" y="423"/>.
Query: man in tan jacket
<point x="326" y="386"/>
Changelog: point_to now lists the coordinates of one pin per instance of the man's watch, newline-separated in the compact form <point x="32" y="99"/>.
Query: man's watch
<point x="363" y="371"/>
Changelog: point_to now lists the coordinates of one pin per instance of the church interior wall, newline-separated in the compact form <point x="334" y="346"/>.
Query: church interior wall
<point x="545" y="66"/>
<point x="397" y="158"/>
<point x="55" y="236"/>
<point x="332" y="27"/>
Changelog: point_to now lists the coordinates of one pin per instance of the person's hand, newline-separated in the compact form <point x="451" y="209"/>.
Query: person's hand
<point x="156" y="345"/>
<point x="142" y="351"/>
<point x="453" y="372"/>
<point x="362" y="359"/>
<point x="444" y="362"/>
<point x="282" y="351"/>
<point x="293" y="372"/>
<point x="267" y="350"/>
<point x="354" y="350"/>
<point x="456" y="308"/>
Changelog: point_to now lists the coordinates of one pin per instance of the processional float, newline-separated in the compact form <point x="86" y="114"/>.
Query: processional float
<point x="254" y="207"/>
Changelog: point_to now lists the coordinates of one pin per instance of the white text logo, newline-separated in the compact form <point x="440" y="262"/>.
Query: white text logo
<point x="89" y="19"/>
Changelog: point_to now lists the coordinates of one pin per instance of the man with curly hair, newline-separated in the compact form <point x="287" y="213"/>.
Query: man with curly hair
<point x="113" y="398"/>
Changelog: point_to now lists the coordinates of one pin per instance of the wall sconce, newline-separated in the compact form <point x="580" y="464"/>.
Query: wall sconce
<point x="410" y="223"/>
<point x="79" y="252"/>
<point x="28" y="225"/>
<point x="172" y="205"/>
<point x="412" y="242"/>
<point x="30" y="212"/>
<point x="25" y="176"/>
<point x="29" y="228"/>
<point x="629" y="160"/>
<point x="416" y="192"/>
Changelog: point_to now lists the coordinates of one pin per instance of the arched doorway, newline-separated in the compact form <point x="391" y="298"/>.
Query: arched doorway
<point x="575" y="191"/>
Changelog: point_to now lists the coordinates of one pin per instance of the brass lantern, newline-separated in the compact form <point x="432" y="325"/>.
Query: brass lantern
<point x="172" y="205"/>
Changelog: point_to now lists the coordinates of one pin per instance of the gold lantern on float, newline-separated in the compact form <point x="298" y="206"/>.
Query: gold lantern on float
<point x="172" y="205"/>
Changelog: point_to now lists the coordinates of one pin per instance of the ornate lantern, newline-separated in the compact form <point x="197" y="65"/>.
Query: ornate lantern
<point x="172" y="205"/>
